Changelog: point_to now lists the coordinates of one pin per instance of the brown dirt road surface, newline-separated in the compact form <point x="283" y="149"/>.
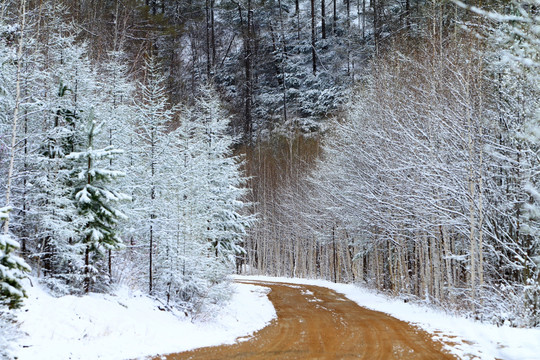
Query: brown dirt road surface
<point x="318" y="323"/>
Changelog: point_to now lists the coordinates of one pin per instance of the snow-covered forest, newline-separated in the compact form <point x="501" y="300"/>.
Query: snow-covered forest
<point x="165" y="145"/>
<point x="104" y="180"/>
<point x="425" y="184"/>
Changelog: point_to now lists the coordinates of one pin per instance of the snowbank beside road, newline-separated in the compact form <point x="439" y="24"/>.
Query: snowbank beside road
<point x="465" y="338"/>
<point x="128" y="325"/>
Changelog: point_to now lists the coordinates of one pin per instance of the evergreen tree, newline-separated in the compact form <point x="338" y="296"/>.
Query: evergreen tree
<point x="220" y="174"/>
<point x="120" y="130"/>
<point x="12" y="268"/>
<point x="54" y="212"/>
<point x="205" y="224"/>
<point x="70" y="91"/>
<point x="95" y="201"/>
<point x="151" y="154"/>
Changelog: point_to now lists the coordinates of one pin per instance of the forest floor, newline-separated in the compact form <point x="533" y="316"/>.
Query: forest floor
<point x="318" y="323"/>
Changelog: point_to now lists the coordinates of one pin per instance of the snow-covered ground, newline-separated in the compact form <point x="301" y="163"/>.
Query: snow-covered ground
<point x="465" y="338"/>
<point x="126" y="325"/>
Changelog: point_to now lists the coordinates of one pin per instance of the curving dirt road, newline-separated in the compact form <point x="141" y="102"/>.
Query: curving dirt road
<point x="318" y="323"/>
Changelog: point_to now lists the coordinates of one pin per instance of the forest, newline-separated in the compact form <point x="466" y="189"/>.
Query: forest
<point x="165" y="145"/>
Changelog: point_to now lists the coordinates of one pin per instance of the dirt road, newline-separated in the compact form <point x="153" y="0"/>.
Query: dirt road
<point x="318" y="323"/>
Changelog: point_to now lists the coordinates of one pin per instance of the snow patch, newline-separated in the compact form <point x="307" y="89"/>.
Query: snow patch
<point x="130" y="325"/>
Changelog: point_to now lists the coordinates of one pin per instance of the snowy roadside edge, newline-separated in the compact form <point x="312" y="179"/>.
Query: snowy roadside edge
<point x="131" y="325"/>
<point x="462" y="337"/>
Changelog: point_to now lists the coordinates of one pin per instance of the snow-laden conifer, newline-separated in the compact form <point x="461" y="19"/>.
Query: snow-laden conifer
<point x="12" y="268"/>
<point x="96" y="201"/>
<point x="70" y="90"/>
<point x="220" y="178"/>
<point x="151" y="152"/>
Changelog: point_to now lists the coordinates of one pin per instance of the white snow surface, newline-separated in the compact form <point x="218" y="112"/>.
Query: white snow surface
<point x="129" y="325"/>
<point x="465" y="338"/>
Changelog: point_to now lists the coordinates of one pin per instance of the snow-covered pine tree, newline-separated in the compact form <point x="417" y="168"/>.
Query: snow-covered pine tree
<point x="69" y="92"/>
<point x="12" y="268"/>
<point x="202" y="230"/>
<point x="120" y="130"/>
<point x="522" y="54"/>
<point x="220" y="175"/>
<point x="151" y="153"/>
<point x="209" y="204"/>
<point x="54" y="212"/>
<point x="96" y="202"/>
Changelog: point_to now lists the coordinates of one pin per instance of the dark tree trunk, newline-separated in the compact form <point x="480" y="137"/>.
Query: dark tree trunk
<point x="87" y="269"/>
<point x="313" y="40"/>
<point x="334" y="19"/>
<point x="248" y="93"/>
<point x="297" y="12"/>
<point x="207" y="18"/>
<point x="213" y="32"/>
<point x="283" y="58"/>
<point x="376" y="25"/>
<point x="323" y="19"/>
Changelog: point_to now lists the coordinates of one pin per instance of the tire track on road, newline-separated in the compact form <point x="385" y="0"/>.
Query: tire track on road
<point x="318" y="323"/>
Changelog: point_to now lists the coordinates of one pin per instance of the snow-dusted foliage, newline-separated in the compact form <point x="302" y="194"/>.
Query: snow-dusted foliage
<point x="151" y="152"/>
<point x="195" y="225"/>
<point x="184" y="225"/>
<point x="12" y="268"/>
<point x="95" y="201"/>
<point x="514" y="63"/>
<point x="9" y="333"/>
<point x="428" y="186"/>
<point x="69" y="93"/>
<point x="206" y="212"/>
<point x="219" y="179"/>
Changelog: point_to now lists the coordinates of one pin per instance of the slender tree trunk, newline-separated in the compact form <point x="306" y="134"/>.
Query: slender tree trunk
<point x="407" y="14"/>
<point x="448" y="263"/>
<point x="213" y="32"/>
<point x="87" y="249"/>
<point x="297" y="13"/>
<point x="348" y="3"/>
<point x="334" y="18"/>
<point x="363" y="19"/>
<point x="248" y="95"/>
<point x="472" y="197"/>
<point x="334" y="254"/>
<point x="87" y="269"/>
<point x="481" y="210"/>
<point x="283" y="59"/>
<point x="152" y="215"/>
<point x="25" y="186"/>
<point x="208" y="51"/>
<point x="313" y="38"/>
<point x="376" y="25"/>
<point x="323" y="19"/>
